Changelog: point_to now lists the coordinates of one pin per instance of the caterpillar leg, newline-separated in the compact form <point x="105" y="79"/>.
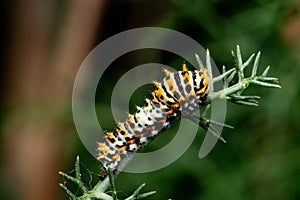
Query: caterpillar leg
<point x="105" y="172"/>
<point x="102" y="174"/>
<point x="206" y="125"/>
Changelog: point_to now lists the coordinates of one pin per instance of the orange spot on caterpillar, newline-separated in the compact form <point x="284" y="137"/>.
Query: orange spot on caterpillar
<point x="115" y="157"/>
<point x="186" y="76"/>
<point x="123" y="148"/>
<point x="131" y="141"/>
<point x="158" y="92"/>
<point x="110" y="135"/>
<point x="102" y="148"/>
<point x="181" y="99"/>
<point x="184" y="68"/>
<point x="154" y="100"/>
<point x="170" y="82"/>
<point x="167" y="72"/>
<point x="169" y="112"/>
<point x="157" y="84"/>
<point x="141" y="135"/>
<point x="202" y="90"/>
<point x="162" y="120"/>
<point x="175" y="106"/>
<point x="130" y="118"/>
<point x="205" y="76"/>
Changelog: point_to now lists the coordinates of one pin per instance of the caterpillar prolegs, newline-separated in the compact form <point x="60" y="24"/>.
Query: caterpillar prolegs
<point x="178" y="95"/>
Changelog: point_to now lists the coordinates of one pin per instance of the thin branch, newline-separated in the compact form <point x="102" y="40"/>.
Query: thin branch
<point x="230" y="92"/>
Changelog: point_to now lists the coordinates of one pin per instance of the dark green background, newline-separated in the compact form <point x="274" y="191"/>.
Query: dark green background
<point x="261" y="159"/>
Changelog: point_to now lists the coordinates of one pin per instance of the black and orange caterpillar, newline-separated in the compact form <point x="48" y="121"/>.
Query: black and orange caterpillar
<point x="178" y="95"/>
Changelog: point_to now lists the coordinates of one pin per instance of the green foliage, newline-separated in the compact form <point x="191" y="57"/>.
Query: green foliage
<point x="233" y="93"/>
<point x="230" y="92"/>
<point x="262" y="157"/>
<point x="98" y="192"/>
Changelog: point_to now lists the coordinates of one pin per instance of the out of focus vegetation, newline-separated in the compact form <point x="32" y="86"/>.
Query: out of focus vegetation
<point x="261" y="159"/>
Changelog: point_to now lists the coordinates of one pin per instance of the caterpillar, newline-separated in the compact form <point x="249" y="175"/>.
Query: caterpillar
<point x="178" y="95"/>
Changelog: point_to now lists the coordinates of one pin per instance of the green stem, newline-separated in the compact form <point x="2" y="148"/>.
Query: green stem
<point x="222" y="94"/>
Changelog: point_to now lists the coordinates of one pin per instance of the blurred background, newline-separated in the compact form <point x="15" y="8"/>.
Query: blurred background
<point x="43" y="44"/>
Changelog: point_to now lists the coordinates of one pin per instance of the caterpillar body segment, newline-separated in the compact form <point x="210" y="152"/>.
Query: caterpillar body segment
<point x="179" y="94"/>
